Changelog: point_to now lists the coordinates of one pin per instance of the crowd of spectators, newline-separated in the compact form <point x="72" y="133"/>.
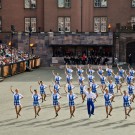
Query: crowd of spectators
<point x="8" y="55"/>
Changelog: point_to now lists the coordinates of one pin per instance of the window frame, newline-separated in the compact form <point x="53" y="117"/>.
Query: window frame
<point x="100" y="23"/>
<point x="30" y="24"/>
<point x="100" y="4"/>
<point x="132" y="4"/>
<point x="30" y="4"/>
<point x="64" y="17"/>
<point x="64" y="5"/>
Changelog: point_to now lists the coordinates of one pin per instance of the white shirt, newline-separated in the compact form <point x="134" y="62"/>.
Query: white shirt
<point x="89" y="95"/>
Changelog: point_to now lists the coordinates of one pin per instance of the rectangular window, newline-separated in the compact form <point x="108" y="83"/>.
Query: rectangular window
<point x="100" y="24"/>
<point x="100" y="3"/>
<point x="0" y="24"/>
<point x="133" y="3"/>
<point x="30" y="4"/>
<point x="64" y="24"/>
<point x="132" y="21"/>
<point x="30" y="22"/>
<point x="64" y="3"/>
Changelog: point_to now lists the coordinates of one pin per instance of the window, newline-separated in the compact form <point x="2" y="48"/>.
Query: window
<point x="132" y="21"/>
<point x="133" y="3"/>
<point x="30" y="22"/>
<point x="0" y="4"/>
<point x="0" y="24"/>
<point x="64" y="24"/>
<point x="64" y="3"/>
<point x="100" y="24"/>
<point x="30" y="3"/>
<point x="100" y="3"/>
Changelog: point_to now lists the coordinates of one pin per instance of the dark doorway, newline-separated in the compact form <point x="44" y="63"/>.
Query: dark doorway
<point x="130" y="50"/>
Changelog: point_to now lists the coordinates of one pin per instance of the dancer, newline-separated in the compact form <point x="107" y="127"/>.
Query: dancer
<point x="108" y="98"/>
<point x="131" y="71"/>
<point x="36" y="97"/>
<point x="90" y="77"/>
<point x="131" y="91"/>
<point x="69" y="87"/>
<point x="129" y="78"/>
<point x="103" y="82"/>
<point x="69" y="70"/>
<point x="118" y="82"/>
<point x="56" y="86"/>
<point x="90" y="70"/>
<point x="109" y="72"/>
<point x="81" y="78"/>
<point x="55" y="97"/>
<point x="100" y="71"/>
<point x="42" y="90"/>
<point x="82" y="88"/>
<point x="71" y="97"/>
<point x="68" y="77"/>
<point x="121" y="73"/>
<point x="79" y="70"/>
<point x="94" y="87"/>
<point x="90" y="104"/>
<point x="57" y="77"/>
<point x="111" y="87"/>
<point x="126" y="103"/>
<point x="17" y="98"/>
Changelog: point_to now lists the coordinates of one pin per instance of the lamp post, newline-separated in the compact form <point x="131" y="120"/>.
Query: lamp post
<point x="30" y="31"/>
<point x="31" y="46"/>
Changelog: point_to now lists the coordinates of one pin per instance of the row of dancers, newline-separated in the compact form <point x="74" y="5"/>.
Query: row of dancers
<point x="87" y="92"/>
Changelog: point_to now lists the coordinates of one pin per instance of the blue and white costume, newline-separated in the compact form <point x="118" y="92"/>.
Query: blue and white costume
<point x="121" y="72"/>
<point x="57" y="79"/>
<point x="69" y="78"/>
<point x="100" y="71"/>
<point x="117" y="79"/>
<point x="82" y="88"/>
<point x="71" y="98"/>
<point x="102" y="79"/>
<point x="17" y="98"/>
<point x="109" y="72"/>
<point x="94" y="87"/>
<point x="55" y="98"/>
<point x="107" y="98"/>
<point x="81" y="79"/>
<point x="80" y="71"/>
<point x="131" y="72"/>
<point x="129" y="79"/>
<point x="36" y="98"/>
<point x="91" y="71"/>
<point x="42" y="89"/>
<point x="90" y="77"/>
<point x="69" y="71"/>
<point x="126" y="101"/>
<point x="111" y="88"/>
<point x="130" y="89"/>
<point x="56" y="87"/>
<point x="70" y="87"/>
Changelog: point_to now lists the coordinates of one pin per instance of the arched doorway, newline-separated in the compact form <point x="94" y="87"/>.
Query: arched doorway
<point x="130" y="49"/>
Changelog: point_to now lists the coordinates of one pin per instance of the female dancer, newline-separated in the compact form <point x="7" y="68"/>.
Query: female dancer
<point x="69" y="70"/>
<point x="126" y="103"/>
<point x="129" y="78"/>
<point x="17" y="98"/>
<point x="42" y="90"/>
<point x="103" y="82"/>
<point x="90" y="70"/>
<point x="56" y="86"/>
<point x="69" y="87"/>
<point x="118" y="82"/>
<point x="79" y="70"/>
<point x="55" y="97"/>
<point x="109" y="73"/>
<point x="81" y="78"/>
<point x="131" y="71"/>
<point x="121" y="73"/>
<point x="71" y="97"/>
<point x="82" y="87"/>
<point x="68" y="77"/>
<point x="90" y="104"/>
<point x="90" y="77"/>
<point x="108" y="103"/>
<point x="36" y="97"/>
<point x="100" y="71"/>
<point x="131" y="91"/>
<point x="57" y="77"/>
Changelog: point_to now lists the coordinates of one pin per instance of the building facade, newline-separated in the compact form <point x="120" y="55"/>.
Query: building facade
<point x="71" y="21"/>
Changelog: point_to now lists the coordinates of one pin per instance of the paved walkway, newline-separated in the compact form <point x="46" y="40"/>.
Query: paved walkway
<point x="62" y="125"/>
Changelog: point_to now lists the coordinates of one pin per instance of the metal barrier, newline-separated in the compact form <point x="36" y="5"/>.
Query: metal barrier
<point x="19" y="67"/>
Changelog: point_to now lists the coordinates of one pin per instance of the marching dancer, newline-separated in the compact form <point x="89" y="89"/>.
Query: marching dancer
<point x="90" y="104"/>
<point x="42" y="90"/>
<point x="121" y="73"/>
<point x="57" y="77"/>
<point x="17" y="98"/>
<point x="55" y="97"/>
<point x="100" y="71"/>
<point x="68" y="77"/>
<point x="56" y="86"/>
<point x="82" y="87"/>
<point x="111" y="87"/>
<point x="108" y="98"/>
<point x="129" y="78"/>
<point x="118" y="82"/>
<point x="131" y="91"/>
<point x="126" y="103"/>
<point x="90" y="70"/>
<point x="90" y="77"/>
<point x="131" y="71"/>
<point x="103" y="81"/>
<point x="71" y="97"/>
<point x="109" y="72"/>
<point x="81" y="78"/>
<point x="79" y="70"/>
<point x="69" y="70"/>
<point x="69" y="87"/>
<point x="36" y="97"/>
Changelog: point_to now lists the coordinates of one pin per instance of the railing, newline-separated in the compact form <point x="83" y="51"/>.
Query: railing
<point x="19" y="67"/>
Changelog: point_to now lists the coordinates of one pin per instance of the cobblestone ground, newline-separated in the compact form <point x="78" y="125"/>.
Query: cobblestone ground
<point x="62" y="125"/>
